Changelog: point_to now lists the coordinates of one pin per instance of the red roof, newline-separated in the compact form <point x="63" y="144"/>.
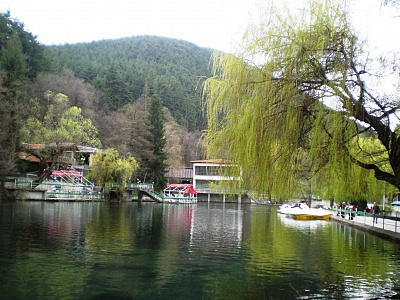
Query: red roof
<point x="186" y="188"/>
<point x="63" y="173"/>
<point x="28" y="157"/>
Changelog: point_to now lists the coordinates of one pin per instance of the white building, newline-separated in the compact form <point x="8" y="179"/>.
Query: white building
<point x="208" y="174"/>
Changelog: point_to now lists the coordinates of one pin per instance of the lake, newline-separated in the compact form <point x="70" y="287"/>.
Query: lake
<point x="133" y="250"/>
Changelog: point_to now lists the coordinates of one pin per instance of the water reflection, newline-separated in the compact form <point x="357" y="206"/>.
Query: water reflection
<point x="215" y="228"/>
<point x="147" y="250"/>
<point x="305" y="226"/>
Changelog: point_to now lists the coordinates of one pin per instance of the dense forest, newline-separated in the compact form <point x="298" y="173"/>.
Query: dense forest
<point x="107" y="85"/>
<point x="120" y="69"/>
<point x="125" y="72"/>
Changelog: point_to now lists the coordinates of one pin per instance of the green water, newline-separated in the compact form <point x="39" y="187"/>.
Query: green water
<point x="204" y="251"/>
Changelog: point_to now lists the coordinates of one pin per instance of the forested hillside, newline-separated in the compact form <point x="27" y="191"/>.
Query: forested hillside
<point x="99" y="94"/>
<point x="173" y="69"/>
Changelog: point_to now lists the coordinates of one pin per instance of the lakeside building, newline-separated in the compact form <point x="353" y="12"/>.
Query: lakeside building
<point x="208" y="178"/>
<point x="209" y="175"/>
<point x="65" y="156"/>
<point x="65" y="181"/>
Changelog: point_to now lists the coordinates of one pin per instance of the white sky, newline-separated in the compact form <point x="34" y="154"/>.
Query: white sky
<point x="207" y="23"/>
<point x="216" y="24"/>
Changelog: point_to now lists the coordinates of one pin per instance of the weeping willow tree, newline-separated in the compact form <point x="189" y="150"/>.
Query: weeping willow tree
<point x="300" y="115"/>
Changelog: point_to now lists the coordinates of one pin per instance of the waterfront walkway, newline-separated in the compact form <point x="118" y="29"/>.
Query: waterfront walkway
<point x="386" y="227"/>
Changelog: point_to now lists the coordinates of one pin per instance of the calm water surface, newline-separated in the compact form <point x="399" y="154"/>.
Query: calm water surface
<point x="203" y="251"/>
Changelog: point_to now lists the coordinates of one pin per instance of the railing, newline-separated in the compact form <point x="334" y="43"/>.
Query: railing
<point x="150" y="193"/>
<point x="157" y="194"/>
<point x="46" y="185"/>
<point x="56" y="190"/>
<point x="132" y="185"/>
<point x="142" y="186"/>
<point x="385" y="221"/>
<point x="74" y="196"/>
<point x="207" y="190"/>
<point x="17" y="184"/>
<point x="70" y="177"/>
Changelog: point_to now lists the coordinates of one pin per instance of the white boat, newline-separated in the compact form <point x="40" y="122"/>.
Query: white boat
<point x="69" y="186"/>
<point x="180" y="193"/>
<point x="302" y="211"/>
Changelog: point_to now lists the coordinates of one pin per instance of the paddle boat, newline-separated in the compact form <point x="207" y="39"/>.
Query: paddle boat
<point x="180" y="193"/>
<point x="301" y="211"/>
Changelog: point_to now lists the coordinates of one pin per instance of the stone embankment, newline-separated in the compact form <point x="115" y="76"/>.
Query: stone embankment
<point x="388" y="228"/>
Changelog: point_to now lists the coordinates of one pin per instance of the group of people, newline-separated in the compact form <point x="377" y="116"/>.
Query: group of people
<point x="346" y="208"/>
<point x="374" y="210"/>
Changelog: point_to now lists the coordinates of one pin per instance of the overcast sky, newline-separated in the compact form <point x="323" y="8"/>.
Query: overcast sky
<point x="207" y="23"/>
<point x="216" y="24"/>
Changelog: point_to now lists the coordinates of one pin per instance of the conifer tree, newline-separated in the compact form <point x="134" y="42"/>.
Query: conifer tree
<point x="157" y="165"/>
<point x="13" y="71"/>
<point x="13" y="37"/>
<point x="13" y="61"/>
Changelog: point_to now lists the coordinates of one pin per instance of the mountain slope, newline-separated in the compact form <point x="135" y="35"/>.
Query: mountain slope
<point x="120" y="69"/>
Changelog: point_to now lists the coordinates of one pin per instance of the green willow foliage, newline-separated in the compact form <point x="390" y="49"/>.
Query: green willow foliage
<point x="108" y="168"/>
<point x="290" y="120"/>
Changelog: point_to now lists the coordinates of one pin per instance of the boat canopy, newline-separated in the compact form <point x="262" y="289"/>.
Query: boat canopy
<point x="183" y="188"/>
<point x="63" y="173"/>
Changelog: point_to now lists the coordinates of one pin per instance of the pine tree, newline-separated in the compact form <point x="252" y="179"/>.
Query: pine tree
<point x="157" y="166"/>
<point x="13" y="61"/>
<point x="13" y="71"/>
